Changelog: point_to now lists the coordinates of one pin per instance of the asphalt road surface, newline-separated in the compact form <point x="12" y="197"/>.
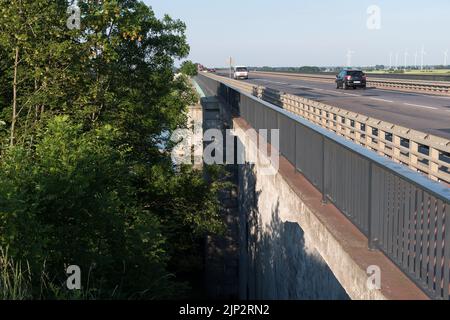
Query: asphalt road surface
<point x="422" y="112"/>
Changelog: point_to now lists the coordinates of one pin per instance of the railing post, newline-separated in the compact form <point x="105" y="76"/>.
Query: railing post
<point x="381" y="142"/>
<point x="357" y="132"/>
<point x="396" y="149"/>
<point x="413" y="147"/>
<point x="370" y="236"/>
<point x="434" y="165"/>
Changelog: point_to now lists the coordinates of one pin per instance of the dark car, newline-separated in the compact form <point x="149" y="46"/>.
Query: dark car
<point x="351" y="79"/>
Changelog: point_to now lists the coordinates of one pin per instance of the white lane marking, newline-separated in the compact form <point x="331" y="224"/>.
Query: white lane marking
<point x="379" y="89"/>
<point x="355" y="95"/>
<point x="384" y="100"/>
<point x="296" y="86"/>
<point x="419" y="106"/>
<point x="413" y="94"/>
<point x="277" y="82"/>
<point x="439" y="97"/>
<point x="303" y="87"/>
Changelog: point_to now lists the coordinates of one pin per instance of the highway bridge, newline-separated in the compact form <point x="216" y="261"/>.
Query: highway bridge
<point x="419" y="111"/>
<point x="341" y="202"/>
<point x="404" y="124"/>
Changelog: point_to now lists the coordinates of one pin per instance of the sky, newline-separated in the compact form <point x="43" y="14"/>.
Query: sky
<point x="312" y="32"/>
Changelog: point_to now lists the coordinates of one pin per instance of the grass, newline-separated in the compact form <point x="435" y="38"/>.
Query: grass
<point x="16" y="284"/>
<point x="15" y="281"/>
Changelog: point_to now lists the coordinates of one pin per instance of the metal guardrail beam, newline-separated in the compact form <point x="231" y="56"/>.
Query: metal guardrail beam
<point x="402" y="213"/>
<point x="438" y="78"/>
<point x="434" y="87"/>
<point x="419" y="151"/>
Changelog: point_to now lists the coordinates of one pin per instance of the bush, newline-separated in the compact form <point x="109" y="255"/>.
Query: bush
<point x="69" y="202"/>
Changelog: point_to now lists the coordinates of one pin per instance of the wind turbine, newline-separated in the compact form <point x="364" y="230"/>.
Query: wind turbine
<point x="445" y="57"/>
<point x="396" y="60"/>
<point x="422" y="53"/>
<point x="416" y="55"/>
<point x="390" y="60"/>
<point x="406" y="57"/>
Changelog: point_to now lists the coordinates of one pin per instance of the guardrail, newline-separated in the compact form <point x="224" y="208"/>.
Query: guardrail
<point x="422" y="152"/>
<point x="402" y="213"/>
<point x="427" y="77"/>
<point x="393" y="84"/>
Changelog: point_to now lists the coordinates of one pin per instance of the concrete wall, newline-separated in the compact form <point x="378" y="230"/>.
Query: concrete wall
<point x="278" y="259"/>
<point x="292" y="246"/>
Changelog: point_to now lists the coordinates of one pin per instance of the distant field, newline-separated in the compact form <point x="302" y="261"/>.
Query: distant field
<point x="417" y="72"/>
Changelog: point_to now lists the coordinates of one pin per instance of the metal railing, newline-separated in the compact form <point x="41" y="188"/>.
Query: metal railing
<point x="433" y="87"/>
<point x="402" y="213"/>
<point x="420" y="151"/>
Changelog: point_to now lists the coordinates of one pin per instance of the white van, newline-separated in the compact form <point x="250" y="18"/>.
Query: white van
<point x="240" y="72"/>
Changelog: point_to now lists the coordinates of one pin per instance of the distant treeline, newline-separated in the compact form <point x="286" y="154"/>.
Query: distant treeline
<point x="306" y="69"/>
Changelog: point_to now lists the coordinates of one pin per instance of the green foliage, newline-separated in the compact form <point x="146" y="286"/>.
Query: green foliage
<point x="189" y="68"/>
<point x="87" y="181"/>
<point x="70" y="202"/>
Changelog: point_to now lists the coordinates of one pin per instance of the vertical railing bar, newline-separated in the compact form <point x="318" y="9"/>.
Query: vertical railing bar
<point x="406" y="227"/>
<point x="419" y="232"/>
<point x="396" y="212"/>
<point x="295" y="147"/>
<point x="348" y="161"/>
<point x="431" y="252"/>
<point x="350" y="164"/>
<point x="372" y="245"/>
<point x="334" y="173"/>
<point x="439" y="247"/>
<point x="401" y="220"/>
<point x="364" y="179"/>
<point x="391" y="209"/>
<point x="324" y="193"/>
<point x="446" y="283"/>
<point x="379" y="214"/>
<point x="387" y="193"/>
<point x="413" y="232"/>
<point x="356" y="179"/>
<point x="425" y="246"/>
<point x="405" y="224"/>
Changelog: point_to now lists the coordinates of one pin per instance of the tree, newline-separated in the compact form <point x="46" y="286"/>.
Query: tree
<point x="86" y="175"/>
<point x="188" y="68"/>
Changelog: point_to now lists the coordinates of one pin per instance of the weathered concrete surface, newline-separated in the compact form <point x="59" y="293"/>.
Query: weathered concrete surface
<point x="195" y="124"/>
<point x="222" y="252"/>
<point x="278" y="259"/>
<point x="294" y="247"/>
